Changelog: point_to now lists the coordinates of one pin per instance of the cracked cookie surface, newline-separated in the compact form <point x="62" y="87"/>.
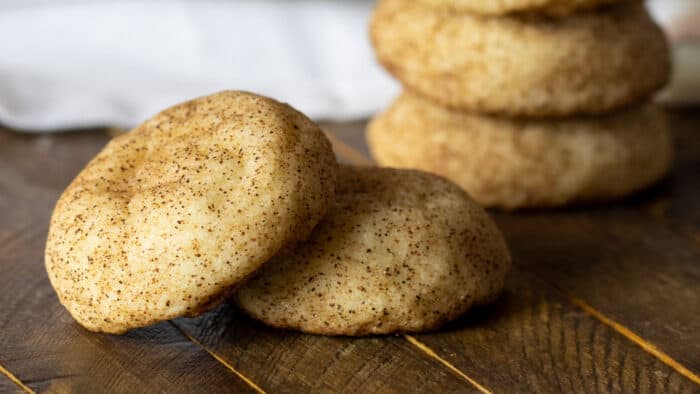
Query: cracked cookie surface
<point x="400" y="251"/>
<point x="170" y="217"/>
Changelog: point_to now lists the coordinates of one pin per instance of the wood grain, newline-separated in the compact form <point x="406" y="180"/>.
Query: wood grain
<point x="11" y="385"/>
<point x="290" y="362"/>
<point x="535" y="340"/>
<point x="625" y="266"/>
<point x="39" y="342"/>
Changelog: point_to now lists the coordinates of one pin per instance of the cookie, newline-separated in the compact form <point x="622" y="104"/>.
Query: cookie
<point x="401" y="251"/>
<point x="513" y="164"/>
<point x="553" y="8"/>
<point x="530" y="66"/>
<point x="169" y="218"/>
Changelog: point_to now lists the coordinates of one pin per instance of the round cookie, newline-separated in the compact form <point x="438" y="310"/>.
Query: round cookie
<point x="401" y="251"/>
<point x="588" y="63"/>
<point x="554" y="8"/>
<point x="168" y="218"/>
<point x="512" y="164"/>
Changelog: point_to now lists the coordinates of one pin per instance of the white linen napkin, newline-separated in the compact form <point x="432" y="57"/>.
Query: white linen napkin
<point x="86" y="63"/>
<point x="67" y="64"/>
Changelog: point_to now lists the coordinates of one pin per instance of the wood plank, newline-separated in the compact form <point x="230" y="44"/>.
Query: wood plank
<point x="47" y="175"/>
<point x="8" y="385"/>
<point x="535" y="340"/>
<point x="291" y="362"/>
<point x="624" y="265"/>
<point x="39" y="342"/>
<point x="562" y="247"/>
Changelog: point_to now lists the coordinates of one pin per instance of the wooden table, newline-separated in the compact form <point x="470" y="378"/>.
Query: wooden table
<point x="602" y="299"/>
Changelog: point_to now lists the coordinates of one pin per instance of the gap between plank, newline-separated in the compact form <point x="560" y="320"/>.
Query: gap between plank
<point x="220" y="359"/>
<point x="430" y="353"/>
<point x="15" y="380"/>
<point x="351" y="154"/>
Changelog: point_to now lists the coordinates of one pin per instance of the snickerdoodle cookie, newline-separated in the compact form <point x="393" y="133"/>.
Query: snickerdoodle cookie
<point x="533" y="66"/>
<point x="400" y="251"/>
<point x="170" y="217"/>
<point x="526" y="163"/>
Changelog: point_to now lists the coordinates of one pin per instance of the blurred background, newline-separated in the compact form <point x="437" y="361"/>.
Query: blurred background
<point x="70" y="64"/>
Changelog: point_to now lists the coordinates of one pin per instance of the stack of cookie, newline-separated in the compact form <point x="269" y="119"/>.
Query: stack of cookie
<point x="524" y="103"/>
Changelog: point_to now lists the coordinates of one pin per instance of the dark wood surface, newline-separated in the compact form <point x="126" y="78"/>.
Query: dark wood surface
<point x="603" y="298"/>
<point x="8" y="386"/>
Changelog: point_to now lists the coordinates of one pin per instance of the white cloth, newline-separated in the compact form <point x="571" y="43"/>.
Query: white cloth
<point x="681" y="20"/>
<point x="86" y="63"/>
<point x="67" y="64"/>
